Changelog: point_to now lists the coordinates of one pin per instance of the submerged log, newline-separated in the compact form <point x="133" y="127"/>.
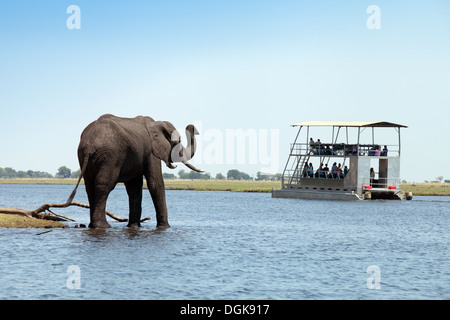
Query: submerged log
<point x="39" y="213"/>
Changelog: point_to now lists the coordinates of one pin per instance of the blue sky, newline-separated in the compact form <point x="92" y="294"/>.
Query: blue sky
<point x="251" y="65"/>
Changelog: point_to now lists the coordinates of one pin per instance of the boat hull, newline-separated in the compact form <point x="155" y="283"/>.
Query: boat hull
<point x="339" y="196"/>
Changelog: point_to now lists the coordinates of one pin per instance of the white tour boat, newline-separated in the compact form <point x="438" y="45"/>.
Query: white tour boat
<point x="344" y="167"/>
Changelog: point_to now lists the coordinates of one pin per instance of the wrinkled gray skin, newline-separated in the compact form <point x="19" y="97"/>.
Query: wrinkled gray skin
<point x="114" y="149"/>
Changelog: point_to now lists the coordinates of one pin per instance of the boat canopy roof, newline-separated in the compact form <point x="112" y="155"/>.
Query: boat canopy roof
<point x="379" y="124"/>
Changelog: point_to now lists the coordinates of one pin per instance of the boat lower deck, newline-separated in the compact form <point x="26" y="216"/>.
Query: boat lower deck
<point x="314" y="194"/>
<point x="317" y="194"/>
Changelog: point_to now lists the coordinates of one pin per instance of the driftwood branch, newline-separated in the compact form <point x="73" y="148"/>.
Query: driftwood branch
<point x="39" y="213"/>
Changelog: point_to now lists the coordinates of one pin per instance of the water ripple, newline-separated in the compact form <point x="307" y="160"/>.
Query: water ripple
<point x="232" y="246"/>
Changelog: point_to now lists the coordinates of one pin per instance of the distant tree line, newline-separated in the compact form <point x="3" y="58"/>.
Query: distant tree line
<point x="63" y="172"/>
<point x="232" y="174"/>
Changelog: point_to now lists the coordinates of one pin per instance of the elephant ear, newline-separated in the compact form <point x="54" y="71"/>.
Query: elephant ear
<point x="164" y="137"/>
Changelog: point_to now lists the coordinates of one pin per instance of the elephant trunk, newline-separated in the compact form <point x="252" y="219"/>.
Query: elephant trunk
<point x="191" y="132"/>
<point x="189" y="151"/>
<point x="182" y="154"/>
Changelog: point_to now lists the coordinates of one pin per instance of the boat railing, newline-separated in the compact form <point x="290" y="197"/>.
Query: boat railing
<point x="343" y="149"/>
<point x="294" y="176"/>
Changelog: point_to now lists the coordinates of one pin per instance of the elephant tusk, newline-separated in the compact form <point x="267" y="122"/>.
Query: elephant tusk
<point x="190" y="166"/>
<point x="171" y="166"/>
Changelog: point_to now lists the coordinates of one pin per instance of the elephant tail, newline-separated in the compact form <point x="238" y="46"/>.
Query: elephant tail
<point x="83" y="169"/>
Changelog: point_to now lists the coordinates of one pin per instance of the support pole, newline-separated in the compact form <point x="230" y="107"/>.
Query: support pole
<point x="373" y="135"/>
<point x="359" y="133"/>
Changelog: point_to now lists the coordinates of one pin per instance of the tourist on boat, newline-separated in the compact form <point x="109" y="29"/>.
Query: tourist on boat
<point x="317" y="146"/>
<point x="326" y="170"/>
<point x="308" y="170"/>
<point x="346" y="150"/>
<point x="311" y="145"/>
<point x="345" y="171"/>
<point x="377" y="151"/>
<point x="385" y="151"/>
<point x="339" y="172"/>
<point x="372" y="176"/>
<point x="311" y="170"/>
<point x="319" y="172"/>
<point x="305" y="170"/>
<point x="334" y="170"/>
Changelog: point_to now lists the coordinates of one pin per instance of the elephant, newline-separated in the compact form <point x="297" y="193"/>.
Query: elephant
<point x="114" y="149"/>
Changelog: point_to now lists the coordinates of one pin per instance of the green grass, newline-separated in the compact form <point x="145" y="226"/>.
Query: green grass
<point x="427" y="189"/>
<point x="39" y="181"/>
<point x="17" y="221"/>
<point x="222" y="185"/>
<point x="423" y="189"/>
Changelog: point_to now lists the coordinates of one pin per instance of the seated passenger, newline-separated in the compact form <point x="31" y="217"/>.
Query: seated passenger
<point x="345" y="171"/>
<point x="319" y="171"/>
<point x="339" y="172"/>
<point x="305" y="171"/>
<point x="334" y="171"/>
<point x="318" y="147"/>
<point x="325" y="171"/>
<point x="377" y="151"/>
<point x="347" y="150"/>
<point x="311" y="170"/>
<point x="385" y="151"/>
<point x="311" y="145"/>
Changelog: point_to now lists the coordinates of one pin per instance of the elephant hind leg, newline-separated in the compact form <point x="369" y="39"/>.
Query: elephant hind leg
<point x="98" y="192"/>
<point x="98" y="214"/>
<point x="134" y="190"/>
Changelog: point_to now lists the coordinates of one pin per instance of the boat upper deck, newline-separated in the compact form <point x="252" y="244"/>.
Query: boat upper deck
<point x="345" y="148"/>
<point x="359" y="124"/>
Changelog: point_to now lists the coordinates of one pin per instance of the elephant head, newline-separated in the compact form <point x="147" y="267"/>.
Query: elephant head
<point x="166" y="144"/>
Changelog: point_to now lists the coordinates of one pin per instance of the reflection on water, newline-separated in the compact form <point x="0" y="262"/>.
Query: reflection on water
<point x="120" y="233"/>
<point x="231" y="246"/>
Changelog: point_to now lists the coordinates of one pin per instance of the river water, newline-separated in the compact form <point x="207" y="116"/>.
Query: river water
<point x="225" y="245"/>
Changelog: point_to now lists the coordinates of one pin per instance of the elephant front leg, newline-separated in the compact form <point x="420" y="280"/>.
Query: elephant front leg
<point x="134" y="190"/>
<point x="158" y="193"/>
